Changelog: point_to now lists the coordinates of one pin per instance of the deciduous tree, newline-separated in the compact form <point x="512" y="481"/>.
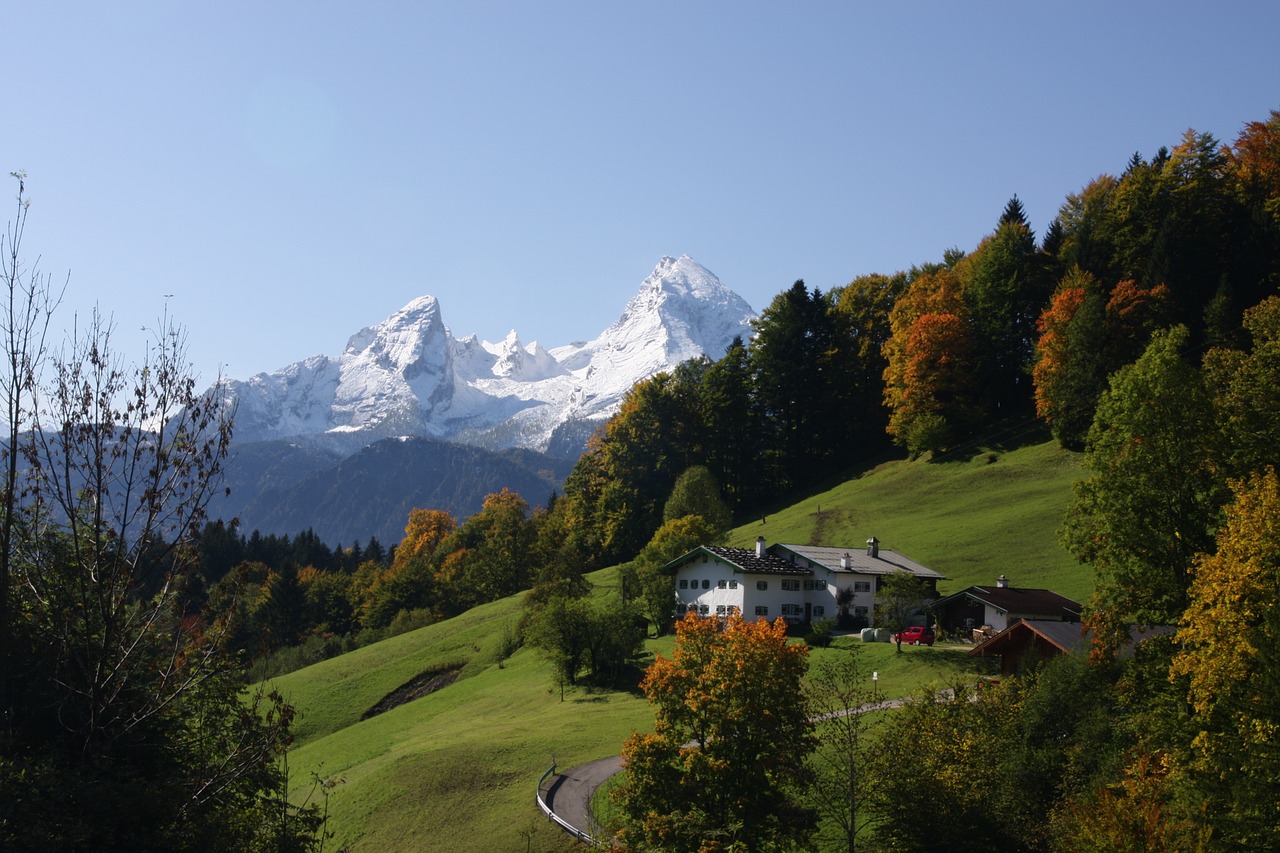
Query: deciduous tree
<point x="929" y="379"/>
<point x="841" y="695"/>
<point x="486" y="558"/>
<point x="643" y="576"/>
<point x="724" y="767"/>
<point x="696" y="492"/>
<point x="1230" y="634"/>
<point x="123" y="695"/>
<point x="29" y="302"/>
<point x="1155" y="486"/>
<point x="900" y="595"/>
<point x="1084" y="337"/>
<point x="1246" y="392"/>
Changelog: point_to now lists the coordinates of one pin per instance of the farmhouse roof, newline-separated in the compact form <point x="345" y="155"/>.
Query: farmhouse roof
<point x="745" y="560"/>
<point x="858" y="561"/>
<point x="1017" y="601"/>
<point x="1067" y="637"/>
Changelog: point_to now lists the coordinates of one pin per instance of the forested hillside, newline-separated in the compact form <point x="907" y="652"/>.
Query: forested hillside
<point x="1148" y="286"/>
<point x="1013" y="330"/>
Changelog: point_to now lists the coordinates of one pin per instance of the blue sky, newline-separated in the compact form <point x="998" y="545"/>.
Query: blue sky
<point x="292" y="172"/>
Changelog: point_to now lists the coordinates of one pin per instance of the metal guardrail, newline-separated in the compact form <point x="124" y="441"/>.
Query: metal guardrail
<point x="564" y="824"/>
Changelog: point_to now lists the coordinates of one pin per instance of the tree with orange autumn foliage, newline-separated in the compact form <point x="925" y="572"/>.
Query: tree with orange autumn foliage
<point x="408" y="583"/>
<point x="1136" y="812"/>
<point x="423" y="533"/>
<point x="929" y="380"/>
<point x="488" y="557"/>
<point x="1084" y="337"/>
<point x="725" y="764"/>
<point x="1066" y="373"/>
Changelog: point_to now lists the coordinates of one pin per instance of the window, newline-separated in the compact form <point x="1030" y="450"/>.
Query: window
<point x="693" y="608"/>
<point x="684" y="583"/>
<point x="733" y="584"/>
<point x="862" y="586"/>
<point x="704" y="609"/>
<point x="820" y="585"/>
<point x="706" y="584"/>
<point x="791" y="610"/>
<point x="721" y="584"/>
<point x="818" y="610"/>
<point x="791" y="586"/>
<point x="762" y="585"/>
<point x="734" y="609"/>
<point x="720" y="610"/>
<point x="860" y="612"/>
<point x="762" y="610"/>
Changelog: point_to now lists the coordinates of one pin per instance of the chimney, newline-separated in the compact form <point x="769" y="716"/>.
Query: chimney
<point x="846" y="562"/>
<point x="873" y="547"/>
<point x="1002" y="582"/>
<point x="760" y="547"/>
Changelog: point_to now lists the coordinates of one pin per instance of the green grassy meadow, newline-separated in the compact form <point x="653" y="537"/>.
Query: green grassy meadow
<point x="457" y="769"/>
<point x="972" y="520"/>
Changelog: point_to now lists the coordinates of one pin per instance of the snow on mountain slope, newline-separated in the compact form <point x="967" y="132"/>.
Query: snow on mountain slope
<point x="409" y="376"/>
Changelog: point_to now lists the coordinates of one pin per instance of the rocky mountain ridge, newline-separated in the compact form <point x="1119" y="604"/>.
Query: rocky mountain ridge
<point x="409" y="375"/>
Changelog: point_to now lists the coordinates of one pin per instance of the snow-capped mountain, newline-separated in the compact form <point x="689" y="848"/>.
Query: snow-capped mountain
<point x="409" y="376"/>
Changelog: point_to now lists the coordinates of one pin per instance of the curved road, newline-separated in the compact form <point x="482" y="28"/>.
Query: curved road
<point x="568" y="794"/>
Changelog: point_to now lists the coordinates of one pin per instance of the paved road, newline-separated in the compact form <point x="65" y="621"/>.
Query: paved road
<point x="569" y="793"/>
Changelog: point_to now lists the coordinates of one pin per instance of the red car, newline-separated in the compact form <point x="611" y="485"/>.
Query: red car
<point x="915" y="635"/>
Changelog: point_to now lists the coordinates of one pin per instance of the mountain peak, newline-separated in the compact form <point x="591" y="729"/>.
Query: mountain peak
<point x="401" y="334"/>
<point x="408" y="375"/>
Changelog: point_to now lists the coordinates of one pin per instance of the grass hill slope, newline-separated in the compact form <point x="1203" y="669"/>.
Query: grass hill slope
<point x="456" y="769"/>
<point x="972" y="519"/>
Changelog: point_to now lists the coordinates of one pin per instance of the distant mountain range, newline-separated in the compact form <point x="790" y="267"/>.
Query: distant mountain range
<point x="410" y="416"/>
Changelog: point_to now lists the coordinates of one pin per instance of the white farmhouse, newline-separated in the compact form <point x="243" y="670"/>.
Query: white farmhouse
<point x="798" y="582"/>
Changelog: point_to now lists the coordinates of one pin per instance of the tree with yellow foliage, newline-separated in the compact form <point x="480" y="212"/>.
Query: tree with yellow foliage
<point x="1230" y="657"/>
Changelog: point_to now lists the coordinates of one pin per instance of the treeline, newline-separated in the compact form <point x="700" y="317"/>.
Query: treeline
<point x="289" y="602"/>
<point x="273" y="592"/>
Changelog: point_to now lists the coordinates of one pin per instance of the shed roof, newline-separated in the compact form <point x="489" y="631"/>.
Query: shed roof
<point x="1066" y="636"/>
<point x="1069" y="637"/>
<point x="860" y="562"/>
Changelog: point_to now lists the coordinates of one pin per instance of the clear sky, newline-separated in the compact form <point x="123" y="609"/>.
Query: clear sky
<point x="293" y="171"/>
